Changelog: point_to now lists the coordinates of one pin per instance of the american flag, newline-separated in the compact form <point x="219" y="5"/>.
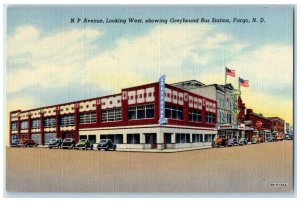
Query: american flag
<point x="230" y="72"/>
<point x="243" y="82"/>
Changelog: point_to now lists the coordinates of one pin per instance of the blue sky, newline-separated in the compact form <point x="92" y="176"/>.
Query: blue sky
<point x="50" y="60"/>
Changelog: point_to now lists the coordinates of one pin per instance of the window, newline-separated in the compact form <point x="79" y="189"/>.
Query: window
<point x="209" y="138"/>
<point x="197" y="138"/>
<point x="112" y="115"/>
<point x="182" y="138"/>
<point x="68" y="120"/>
<point x="14" y="125"/>
<point x="36" y="123"/>
<point x="87" y="117"/>
<point x="50" y="122"/>
<point x="174" y="112"/>
<point x="49" y="136"/>
<point x="141" y="112"/>
<point x="195" y="116"/>
<point x="24" y="125"/>
<point x="133" y="138"/>
<point x="210" y="117"/>
<point x="36" y="137"/>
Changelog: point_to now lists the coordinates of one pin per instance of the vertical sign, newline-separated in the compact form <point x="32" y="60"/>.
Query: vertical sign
<point x="162" y="118"/>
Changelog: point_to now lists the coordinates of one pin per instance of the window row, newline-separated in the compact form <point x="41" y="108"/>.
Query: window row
<point x="138" y="112"/>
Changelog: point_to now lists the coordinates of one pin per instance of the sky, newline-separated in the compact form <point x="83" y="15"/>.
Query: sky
<point x="50" y="60"/>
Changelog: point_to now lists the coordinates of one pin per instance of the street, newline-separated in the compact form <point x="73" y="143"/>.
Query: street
<point x="250" y="168"/>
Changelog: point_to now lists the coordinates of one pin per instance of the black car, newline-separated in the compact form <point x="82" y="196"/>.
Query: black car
<point x="14" y="143"/>
<point x="68" y="143"/>
<point x="55" y="143"/>
<point x="106" y="144"/>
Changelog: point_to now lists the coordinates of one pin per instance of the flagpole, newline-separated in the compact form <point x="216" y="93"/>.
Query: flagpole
<point x="225" y="76"/>
<point x="239" y="84"/>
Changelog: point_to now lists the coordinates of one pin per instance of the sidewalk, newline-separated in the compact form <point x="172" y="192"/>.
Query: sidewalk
<point x="164" y="150"/>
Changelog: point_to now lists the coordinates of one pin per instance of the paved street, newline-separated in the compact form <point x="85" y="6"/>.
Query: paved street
<point x="251" y="168"/>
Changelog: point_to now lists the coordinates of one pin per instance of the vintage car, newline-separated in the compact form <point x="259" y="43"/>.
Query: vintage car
<point x="243" y="141"/>
<point x="68" y="143"/>
<point x="106" y="144"/>
<point x="232" y="142"/>
<point x="55" y="143"/>
<point x="14" y="143"/>
<point x="27" y="143"/>
<point x="261" y="139"/>
<point x="254" y="139"/>
<point x="279" y="137"/>
<point x="220" y="141"/>
<point x="84" y="144"/>
<point x="271" y="139"/>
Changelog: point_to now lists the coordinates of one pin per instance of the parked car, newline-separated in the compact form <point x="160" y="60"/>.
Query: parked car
<point x="27" y="143"/>
<point x="84" y="144"/>
<point x="14" y="143"/>
<point x="68" y="143"/>
<point x="220" y="141"/>
<point x="279" y="137"/>
<point x="271" y="139"/>
<point x="106" y="144"/>
<point x="243" y="141"/>
<point x="56" y="142"/>
<point x="232" y="142"/>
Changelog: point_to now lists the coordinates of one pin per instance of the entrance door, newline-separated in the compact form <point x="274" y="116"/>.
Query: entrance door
<point x="151" y="139"/>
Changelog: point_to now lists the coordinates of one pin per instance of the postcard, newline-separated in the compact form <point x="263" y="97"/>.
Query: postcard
<point x="150" y="99"/>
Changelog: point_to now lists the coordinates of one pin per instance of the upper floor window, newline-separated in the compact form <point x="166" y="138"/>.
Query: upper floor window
<point x="36" y="123"/>
<point x="68" y="120"/>
<point x="24" y="125"/>
<point x="210" y="117"/>
<point x="174" y="112"/>
<point x="195" y="116"/>
<point x="50" y="122"/>
<point x="141" y="112"/>
<point x="14" y="125"/>
<point x="111" y="115"/>
<point x="87" y="117"/>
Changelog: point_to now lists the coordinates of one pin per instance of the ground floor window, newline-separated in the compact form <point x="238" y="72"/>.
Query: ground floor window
<point x="133" y="138"/>
<point x="150" y="138"/>
<point x="23" y="136"/>
<point x="167" y="138"/>
<point x="67" y="135"/>
<point x="209" y="137"/>
<point x="14" y="137"/>
<point x="197" y="138"/>
<point x="37" y="138"/>
<point x="182" y="138"/>
<point x="115" y="138"/>
<point x="49" y="136"/>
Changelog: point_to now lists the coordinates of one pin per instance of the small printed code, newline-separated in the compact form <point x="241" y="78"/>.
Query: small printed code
<point x="279" y="184"/>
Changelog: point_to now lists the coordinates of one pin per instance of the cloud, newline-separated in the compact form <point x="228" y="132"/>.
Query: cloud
<point x="180" y="52"/>
<point x="38" y="60"/>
